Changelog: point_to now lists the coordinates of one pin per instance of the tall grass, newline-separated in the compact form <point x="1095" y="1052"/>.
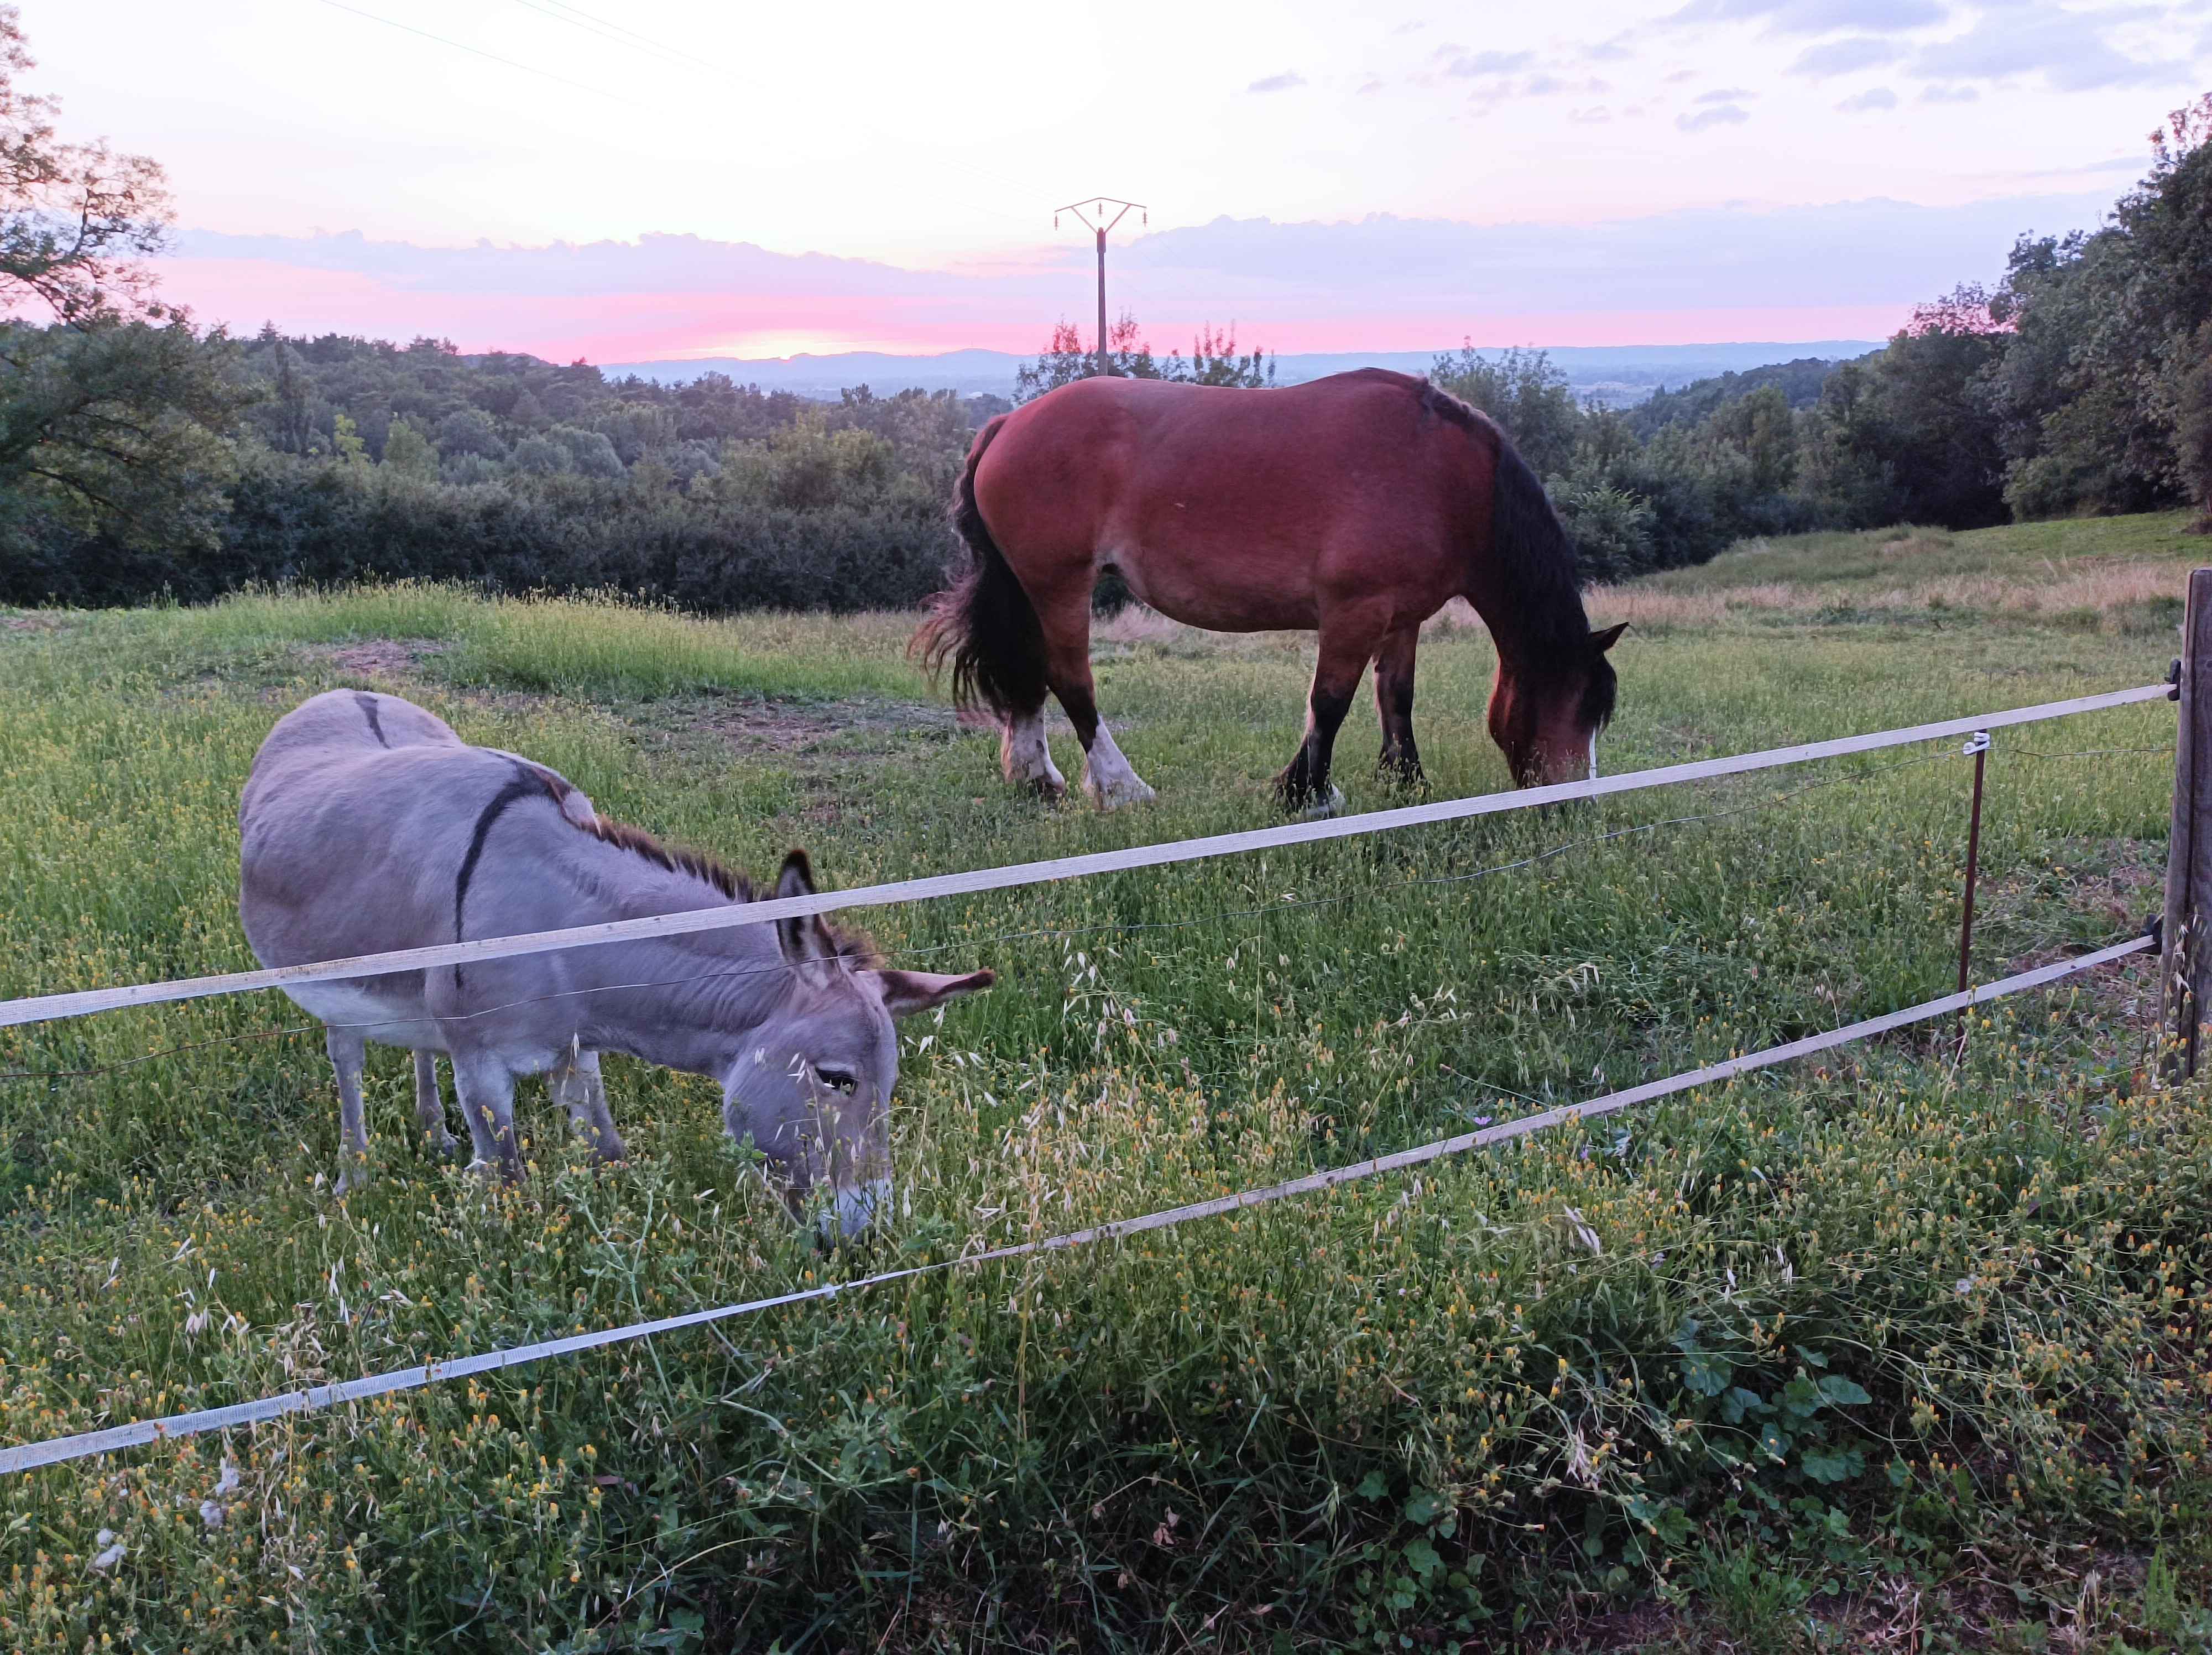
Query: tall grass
<point x="1888" y="1317"/>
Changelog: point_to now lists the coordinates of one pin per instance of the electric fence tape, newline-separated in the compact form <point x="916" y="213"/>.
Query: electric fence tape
<point x="31" y="1455"/>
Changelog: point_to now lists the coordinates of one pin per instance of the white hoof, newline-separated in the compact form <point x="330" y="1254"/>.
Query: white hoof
<point x="1026" y="761"/>
<point x="1119" y="791"/>
<point x="1321" y="809"/>
<point x="1107" y="778"/>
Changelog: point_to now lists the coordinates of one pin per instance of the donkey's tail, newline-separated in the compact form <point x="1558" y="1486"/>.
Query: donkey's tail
<point x="985" y="624"/>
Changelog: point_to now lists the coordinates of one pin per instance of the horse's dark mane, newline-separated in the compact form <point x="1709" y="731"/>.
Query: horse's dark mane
<point x="1532" y="546"/>
<point x="856" y="946"/>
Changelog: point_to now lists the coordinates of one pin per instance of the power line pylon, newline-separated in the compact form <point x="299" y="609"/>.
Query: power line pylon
<point x="1095" y="220"/>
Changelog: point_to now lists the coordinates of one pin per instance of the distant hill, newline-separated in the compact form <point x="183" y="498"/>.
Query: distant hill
<point x="1800" y="380"/>
<point x="1618" y="375"/>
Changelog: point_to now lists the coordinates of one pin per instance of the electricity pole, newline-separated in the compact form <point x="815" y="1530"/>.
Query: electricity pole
<point x="1096" y="222"/>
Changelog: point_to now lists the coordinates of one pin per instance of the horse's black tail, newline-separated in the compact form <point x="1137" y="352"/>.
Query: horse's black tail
<point x="985" y="624"/>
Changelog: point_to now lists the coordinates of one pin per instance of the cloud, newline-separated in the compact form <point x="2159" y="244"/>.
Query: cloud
<point x="1381" y="282"/>
<point x="1879" y="97"/>
<point x="1815" y="16"/>
<point x="1413" y="26"/>
<point x="1843" y="57"/>
<point x="1951" y="94"/>
<point x="1727" y="95"/>
<point x="1726" y="114"/>
<point x="1545" y="86"/>
<point x="1285" y="81"/>
<point x="1609" y="51"/>
<point x="1597" y="115"/>
<point x="1465" y="64"/>
<point x="1682" y="74"/>
<point x="2066" y="49"/>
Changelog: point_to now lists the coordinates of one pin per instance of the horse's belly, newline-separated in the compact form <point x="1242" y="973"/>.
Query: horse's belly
<point x="1205" y="593"/>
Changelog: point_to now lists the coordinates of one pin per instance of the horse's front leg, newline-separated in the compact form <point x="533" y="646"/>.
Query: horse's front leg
<point x="1346" y="646"/>
<point x="1401" y="761"/>
<point x="1107" y="776"/>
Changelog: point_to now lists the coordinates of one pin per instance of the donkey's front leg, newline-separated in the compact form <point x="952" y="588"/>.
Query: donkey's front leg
<point x="487" y="1094"/>
<point x="577" y="1088"/>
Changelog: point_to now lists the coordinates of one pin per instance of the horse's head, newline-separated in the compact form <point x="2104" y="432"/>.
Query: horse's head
<point x="813" y="1085"/>
<point x="1546" y="721"/>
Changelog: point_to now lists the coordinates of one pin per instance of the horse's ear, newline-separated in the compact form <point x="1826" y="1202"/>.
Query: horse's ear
<point x="803" y="938"/>
<point x="906" y="993"/>
<point x="1610" y="636"/>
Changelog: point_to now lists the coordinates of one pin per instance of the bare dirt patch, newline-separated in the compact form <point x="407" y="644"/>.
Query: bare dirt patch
<point x="35" y="621"/>
<point x="854" y="728"/>
<point x="375" y="657"/>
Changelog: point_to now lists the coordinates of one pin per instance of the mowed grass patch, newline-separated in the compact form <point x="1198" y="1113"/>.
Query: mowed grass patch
<point x="1890" y="1317"/>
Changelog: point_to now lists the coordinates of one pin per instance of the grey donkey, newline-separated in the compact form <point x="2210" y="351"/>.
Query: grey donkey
<point x="367" y="826"/>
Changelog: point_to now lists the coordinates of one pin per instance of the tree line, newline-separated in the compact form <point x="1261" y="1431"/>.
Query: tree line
<point x="2080" y="385"/>
<point x="142" y="457"/>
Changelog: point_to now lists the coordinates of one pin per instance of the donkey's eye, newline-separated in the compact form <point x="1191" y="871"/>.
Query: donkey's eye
<point x="840" y="1081"/>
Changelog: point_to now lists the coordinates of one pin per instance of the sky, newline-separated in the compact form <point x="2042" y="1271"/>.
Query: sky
<point x="662" y="179"/>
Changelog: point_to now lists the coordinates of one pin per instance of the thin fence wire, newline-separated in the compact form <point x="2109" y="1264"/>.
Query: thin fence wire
<point x="47" y="1008"/>
<point x="1119" y="927"/>
<point x="54" y="1451"/>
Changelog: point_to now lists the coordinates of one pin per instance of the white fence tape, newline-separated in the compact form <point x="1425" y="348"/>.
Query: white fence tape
<point x="30" y="1456"/>
<point x="42" y="1007"/>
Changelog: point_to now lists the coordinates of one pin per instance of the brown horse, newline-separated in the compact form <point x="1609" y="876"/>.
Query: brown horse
<point x="1356" y="506"/>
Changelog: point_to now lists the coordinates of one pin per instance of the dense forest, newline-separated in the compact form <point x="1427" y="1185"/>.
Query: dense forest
<point x="142" y="457"/>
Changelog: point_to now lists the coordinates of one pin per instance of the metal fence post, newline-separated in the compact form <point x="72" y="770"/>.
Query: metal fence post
<point x="2186" y="971"/>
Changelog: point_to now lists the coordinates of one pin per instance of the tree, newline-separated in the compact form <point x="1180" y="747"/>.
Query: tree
<point x="74" y="218"/>
<point x="112" y="412"/>
<point x="2093" y="390"/>
<point x="1524" y="393"/>
<point x="1921" y="414"/>
<point x="408" y="452"/>
<point x="1213" y="360"/>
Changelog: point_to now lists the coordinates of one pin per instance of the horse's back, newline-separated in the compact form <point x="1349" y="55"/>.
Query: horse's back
<point x="1241" y="510"/>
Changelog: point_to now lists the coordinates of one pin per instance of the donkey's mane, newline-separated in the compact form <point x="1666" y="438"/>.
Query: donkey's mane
<point x="855" y="946"/>
<point x="676" y="859"/>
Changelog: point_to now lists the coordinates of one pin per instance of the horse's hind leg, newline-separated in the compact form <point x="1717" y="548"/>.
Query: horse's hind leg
<point x="1394" y="703"/>
<point x="1025" y="755"/>
<point x="429" y="1105"/>
<point x="1107" y="776"/>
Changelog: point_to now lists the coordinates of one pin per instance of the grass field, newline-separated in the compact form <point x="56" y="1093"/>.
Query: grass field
<point x="1892" y="1349"/>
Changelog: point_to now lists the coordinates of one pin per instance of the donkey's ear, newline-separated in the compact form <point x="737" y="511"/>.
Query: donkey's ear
<point x="1610" y="636"/>
<point x="804" y="938"/>
<point x="906" y="993"/>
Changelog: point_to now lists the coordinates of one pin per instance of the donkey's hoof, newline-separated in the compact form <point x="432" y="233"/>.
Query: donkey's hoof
<point x="1320" y="809"/>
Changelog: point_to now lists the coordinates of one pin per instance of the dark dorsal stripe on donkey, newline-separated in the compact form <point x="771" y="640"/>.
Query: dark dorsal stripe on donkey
<point x="1355" y="507"/>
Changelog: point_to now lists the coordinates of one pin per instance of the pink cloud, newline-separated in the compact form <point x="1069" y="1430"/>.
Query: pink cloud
<point x="1851" y="270"/>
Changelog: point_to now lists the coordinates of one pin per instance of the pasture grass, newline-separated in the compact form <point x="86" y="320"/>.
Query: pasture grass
<point x="1906" y="1344"/>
